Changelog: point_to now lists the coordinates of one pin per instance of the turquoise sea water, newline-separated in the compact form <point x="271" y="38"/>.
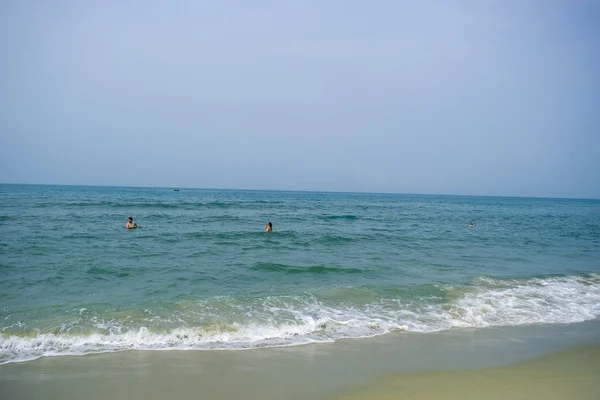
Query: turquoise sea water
<point x="202" y="274"/>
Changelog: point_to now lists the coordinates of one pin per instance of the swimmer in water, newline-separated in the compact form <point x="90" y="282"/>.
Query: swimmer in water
<point x="269" y="227"/>
<point x="131" y="224"/>
<point x="471" y="225"/>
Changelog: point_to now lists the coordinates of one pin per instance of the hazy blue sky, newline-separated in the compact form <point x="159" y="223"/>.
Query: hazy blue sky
<point x="458" y="97"/>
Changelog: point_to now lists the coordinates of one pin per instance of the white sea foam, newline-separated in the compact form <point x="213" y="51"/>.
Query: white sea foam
<point x="286" y="321"/>
<point x="552" y="300"/>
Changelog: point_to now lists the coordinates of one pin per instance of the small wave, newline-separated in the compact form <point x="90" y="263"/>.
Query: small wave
<point x="315" y="269"/>
<point x="103" y="273"/>
<point x="245" y="323"/>
<point x="79" y="236"/>
<point x="217" y="204"/>
<point x="334" y="239"/>
<point x="88" y="204"/>
<point x="348" y="217"/>
<point x="512" y="302"/>
<point x="237" y="235"/>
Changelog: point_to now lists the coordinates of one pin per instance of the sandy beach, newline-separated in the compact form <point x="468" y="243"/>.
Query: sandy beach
<point x="571" y="374"/>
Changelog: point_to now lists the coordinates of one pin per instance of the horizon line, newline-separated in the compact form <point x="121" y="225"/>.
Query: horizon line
<point x="301" y="191"/>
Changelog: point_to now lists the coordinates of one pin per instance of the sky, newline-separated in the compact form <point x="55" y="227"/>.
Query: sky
<point x="435" y="97"/>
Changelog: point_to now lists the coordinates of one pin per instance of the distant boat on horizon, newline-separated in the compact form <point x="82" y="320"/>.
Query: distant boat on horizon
<point x="176" y="190"/>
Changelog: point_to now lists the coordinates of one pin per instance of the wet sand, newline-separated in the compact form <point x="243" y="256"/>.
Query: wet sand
<point x="572" y="374"/>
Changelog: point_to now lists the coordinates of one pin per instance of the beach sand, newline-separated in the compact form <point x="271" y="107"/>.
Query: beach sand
<point x="572" y="374"/>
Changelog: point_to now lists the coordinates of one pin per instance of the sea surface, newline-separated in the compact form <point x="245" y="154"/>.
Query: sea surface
<point x="201" y="273"/>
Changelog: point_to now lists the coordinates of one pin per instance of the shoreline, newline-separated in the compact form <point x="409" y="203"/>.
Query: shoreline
<point x="348" y="367"/>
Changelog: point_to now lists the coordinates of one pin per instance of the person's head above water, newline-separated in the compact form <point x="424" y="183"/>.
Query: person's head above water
<point x="270" y="225"/>
<point x="131" y="224"/>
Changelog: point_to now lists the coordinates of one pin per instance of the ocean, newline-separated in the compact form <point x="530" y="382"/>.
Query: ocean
<point x="201" y="273"/>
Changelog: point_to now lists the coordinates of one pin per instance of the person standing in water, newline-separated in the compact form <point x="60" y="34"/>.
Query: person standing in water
<point x="269" y="227"/>
<point x="131" y="224"/>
